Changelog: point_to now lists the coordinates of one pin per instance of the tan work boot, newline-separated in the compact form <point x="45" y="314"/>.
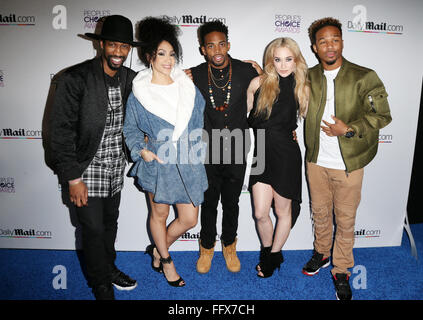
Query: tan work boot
<point x="205" y="259"/>
<point x="232" y="262"/>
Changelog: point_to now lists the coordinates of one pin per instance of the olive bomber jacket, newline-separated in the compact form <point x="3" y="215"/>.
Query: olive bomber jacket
<point x="360" y="101"/>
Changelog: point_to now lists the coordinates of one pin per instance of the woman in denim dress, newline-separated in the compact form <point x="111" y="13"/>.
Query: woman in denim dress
<point x="163" y="131"/>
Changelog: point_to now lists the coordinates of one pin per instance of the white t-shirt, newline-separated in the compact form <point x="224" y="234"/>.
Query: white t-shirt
<point x="167" y="97"/>
<point x="329" y="151"/>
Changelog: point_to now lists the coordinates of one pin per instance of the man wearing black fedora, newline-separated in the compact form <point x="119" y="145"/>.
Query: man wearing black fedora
<point x="88" y="150"/>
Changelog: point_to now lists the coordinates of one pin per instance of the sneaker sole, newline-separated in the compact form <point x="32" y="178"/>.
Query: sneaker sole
<point x="337" y="298"/>
<point x="317" y="271"/>
<point x="125" y="288"/>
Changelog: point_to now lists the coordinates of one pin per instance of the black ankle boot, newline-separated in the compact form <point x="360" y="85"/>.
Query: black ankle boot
<point x="273" y="261"/>
<point x="276" y="259"/>
<point x="264" y="255"/>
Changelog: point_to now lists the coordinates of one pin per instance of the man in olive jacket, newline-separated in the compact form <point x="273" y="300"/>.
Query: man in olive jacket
<point x="347" y="107"/>
<point x="88" y="150"/>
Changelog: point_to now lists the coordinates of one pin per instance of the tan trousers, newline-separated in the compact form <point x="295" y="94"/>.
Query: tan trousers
<point x="334" y="192"/>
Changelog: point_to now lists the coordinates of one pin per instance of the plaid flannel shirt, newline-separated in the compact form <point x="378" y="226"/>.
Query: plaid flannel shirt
<point x="104" y="175"/>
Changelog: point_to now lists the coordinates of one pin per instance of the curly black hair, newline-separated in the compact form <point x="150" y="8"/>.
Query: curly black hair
<point x="209" y="27"/>
<point x="321" y="23"/>
<point x="151" y="32"/>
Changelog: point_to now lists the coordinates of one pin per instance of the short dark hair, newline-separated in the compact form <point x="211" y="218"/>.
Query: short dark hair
<point x="211" y="26"/>
<point x="151" y="32"/>
<point x="321" y="23"/>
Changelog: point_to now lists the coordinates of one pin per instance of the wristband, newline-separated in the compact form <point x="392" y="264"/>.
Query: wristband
<point x="75" y="182"/>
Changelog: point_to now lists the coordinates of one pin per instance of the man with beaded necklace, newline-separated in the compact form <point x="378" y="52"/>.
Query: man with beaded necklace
<point x="223" y="81"/>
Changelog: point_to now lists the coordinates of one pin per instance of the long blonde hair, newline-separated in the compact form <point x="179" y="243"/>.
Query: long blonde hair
<point x="269" y="89"/>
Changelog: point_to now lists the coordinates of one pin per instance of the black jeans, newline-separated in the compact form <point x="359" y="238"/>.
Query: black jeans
<point x="225" y="182"/>
<point x="99" y="227"/>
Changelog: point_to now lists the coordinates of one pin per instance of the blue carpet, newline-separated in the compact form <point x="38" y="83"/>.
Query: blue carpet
<point x="387" y="273"/>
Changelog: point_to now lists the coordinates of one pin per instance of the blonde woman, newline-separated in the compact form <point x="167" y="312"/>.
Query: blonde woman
<point x="276" y="99"/>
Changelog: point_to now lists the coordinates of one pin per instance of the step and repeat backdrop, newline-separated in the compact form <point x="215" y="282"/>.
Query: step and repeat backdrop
<point x="39" y="39"/>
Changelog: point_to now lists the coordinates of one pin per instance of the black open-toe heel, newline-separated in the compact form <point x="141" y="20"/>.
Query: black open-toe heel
<point x="177" y="283"/>
<point x="270" y="264"/>
<point x="150" y="250"/>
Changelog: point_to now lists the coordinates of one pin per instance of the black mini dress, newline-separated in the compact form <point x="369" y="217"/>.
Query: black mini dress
<point x="283" y="161"/>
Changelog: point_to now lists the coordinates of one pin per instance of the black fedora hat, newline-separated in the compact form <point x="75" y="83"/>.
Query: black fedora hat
<point x="116" y="28"/>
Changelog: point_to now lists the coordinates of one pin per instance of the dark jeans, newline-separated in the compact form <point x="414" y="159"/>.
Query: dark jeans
<point x="225" y="182"/>
<point x="99" y="227"/>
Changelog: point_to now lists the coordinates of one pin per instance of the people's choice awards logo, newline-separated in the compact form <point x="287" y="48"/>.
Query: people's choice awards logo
<point x="361" y="23"/>
<point x="92" y="16"/>
<point x="287" y="23"/>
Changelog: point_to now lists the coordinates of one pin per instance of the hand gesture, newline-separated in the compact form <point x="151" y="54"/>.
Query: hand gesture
<point x="255" y="66"/>
<point x="339" y="128"/>
<point x="188" y="73"/>
<point x="149" y="156"/>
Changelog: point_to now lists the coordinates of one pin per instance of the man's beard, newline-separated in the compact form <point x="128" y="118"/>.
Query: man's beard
<point x="110" y="63"/>
<point x="331" y="62"/>
<point x="218" y="65"/>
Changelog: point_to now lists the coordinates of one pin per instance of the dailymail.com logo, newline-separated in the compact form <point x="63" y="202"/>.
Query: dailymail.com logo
<point x="20" y="133"/>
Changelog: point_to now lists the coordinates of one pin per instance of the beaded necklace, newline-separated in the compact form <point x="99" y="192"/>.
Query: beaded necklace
<point x="228" y="84"/>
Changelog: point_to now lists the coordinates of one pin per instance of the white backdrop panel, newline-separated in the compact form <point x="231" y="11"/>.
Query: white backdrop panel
<point x="40" y="38"/>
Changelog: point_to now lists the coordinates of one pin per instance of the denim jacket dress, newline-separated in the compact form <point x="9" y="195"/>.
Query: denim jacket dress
<point x="182" y="177"/>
